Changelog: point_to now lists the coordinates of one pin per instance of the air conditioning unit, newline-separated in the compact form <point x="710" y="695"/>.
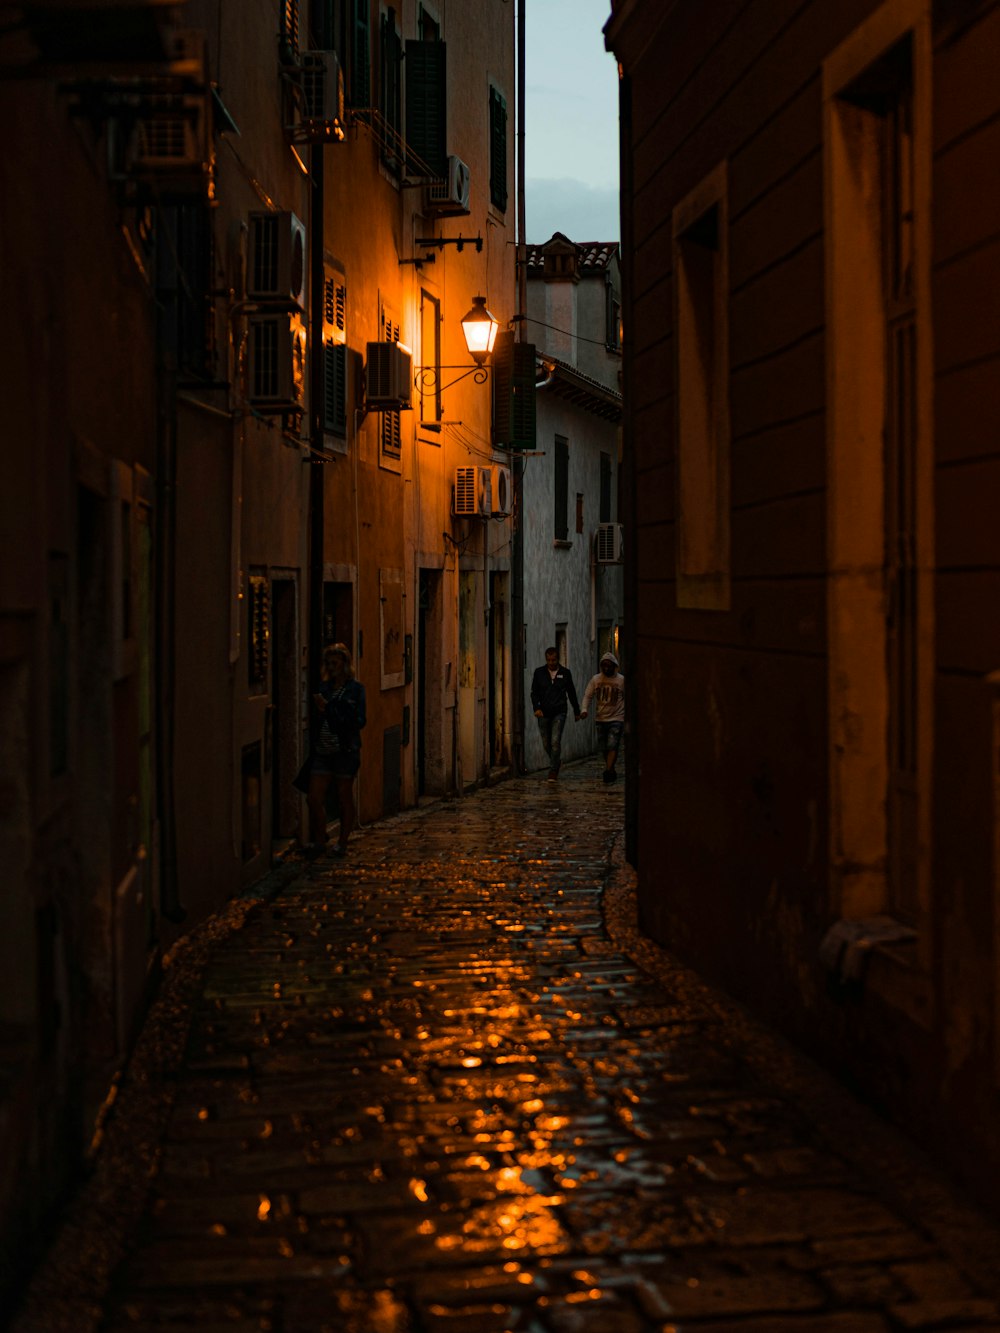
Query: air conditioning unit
<point x="609" y="544"/>
<point x="277" y="268"/>
<point x="276" y="368"/>
<point x="501" y="491"/>
<point x="450" y="194"/>
<point x="321" y="115"/>
<point x="388" y="376"/>
<point x="170" y="139"/>
<point x="473" y="492"/>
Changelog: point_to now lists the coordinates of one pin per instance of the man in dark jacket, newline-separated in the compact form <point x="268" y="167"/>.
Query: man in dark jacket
<point x="551" y="687"/>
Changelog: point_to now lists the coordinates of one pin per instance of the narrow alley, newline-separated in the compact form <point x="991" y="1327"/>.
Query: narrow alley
<point x="443" y="1085"/>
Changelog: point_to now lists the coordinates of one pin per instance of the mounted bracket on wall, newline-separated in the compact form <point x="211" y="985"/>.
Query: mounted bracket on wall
<point x="459" y="241"/>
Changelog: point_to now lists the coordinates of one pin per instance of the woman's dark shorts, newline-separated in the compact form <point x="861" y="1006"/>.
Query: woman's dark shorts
<point x="343" y="764"/>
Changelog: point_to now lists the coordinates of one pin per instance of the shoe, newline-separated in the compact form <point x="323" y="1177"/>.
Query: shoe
<point x="610" y="775"/>
<point x="311" y="850"/>
<point x="338" y="851"/>
<point x="553" y="775"/>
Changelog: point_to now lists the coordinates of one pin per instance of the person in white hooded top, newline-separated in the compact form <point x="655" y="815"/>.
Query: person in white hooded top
<point x="608" y="688"/>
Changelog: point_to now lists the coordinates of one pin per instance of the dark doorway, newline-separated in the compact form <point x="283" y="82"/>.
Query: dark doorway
<point x="285" y="708"/>
<point x="498" y="669"/>
<point x="430" y="762"/>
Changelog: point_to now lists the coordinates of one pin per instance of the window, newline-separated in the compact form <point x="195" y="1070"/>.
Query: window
<point x="877" y="106"/>
<point x="498" y="149"/>
<point x="605" y="509"/>
<point x="335" y="359"/>
<point x="426" y="108"/>
<point x="561" y="488"/>
<point x="183" y="283"/>
<point x="561" y="646"/>
<point x="361" y="75"/>
<point x="428" y="28"/>
<point x="390" y="423"/>
<point x="258" y="632"/>
<point x="429" y="380"/>
<point x="579" y="512"/>
<point x="344" y="26"/>
<point x="700" y="227"/>
<point x="613" y="318"/>
<point x="390" y="88"/>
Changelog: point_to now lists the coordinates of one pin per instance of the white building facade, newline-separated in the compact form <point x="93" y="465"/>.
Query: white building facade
<point x="573" y="541"/>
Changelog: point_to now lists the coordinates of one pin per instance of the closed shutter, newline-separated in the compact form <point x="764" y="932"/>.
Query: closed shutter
<point x="498" y="150"/>
<point x="605" y="511"/>
<point x="335" y="388"/>
<point x="323" y="26"/>
<point x="513" y="392"/>
<point x="427" y="108"/>
<point x="391" y="429"/>
<point x="361" y="77"/>
<point x="390" y="71"/>
<point x="561" y="489"/>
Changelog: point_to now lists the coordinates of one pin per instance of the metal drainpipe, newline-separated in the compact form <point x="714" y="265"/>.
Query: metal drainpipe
<point x="171" y="907"/>
<point x="317" y="471"/>
<point x="517" y="468"/>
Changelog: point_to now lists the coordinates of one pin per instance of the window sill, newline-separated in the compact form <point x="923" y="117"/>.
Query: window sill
<point x="561" y="544"/>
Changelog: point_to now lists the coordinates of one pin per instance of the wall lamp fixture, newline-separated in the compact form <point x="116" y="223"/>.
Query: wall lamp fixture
<point x="480" y="330"/>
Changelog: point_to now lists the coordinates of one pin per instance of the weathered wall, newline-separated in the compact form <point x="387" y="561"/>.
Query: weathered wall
<point x="734" y="835"/>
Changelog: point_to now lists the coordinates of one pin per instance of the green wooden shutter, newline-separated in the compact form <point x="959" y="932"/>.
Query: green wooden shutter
<point x="390" y="78"/>
<point x="323" y="25"/>
<point x="560" y="489"/>
<point x="427" y="107"/>
<point x="513" y="392"/>
<point x="335" y="388"/>
<point x="361" y="69"/>
<point x="498" y="150"/>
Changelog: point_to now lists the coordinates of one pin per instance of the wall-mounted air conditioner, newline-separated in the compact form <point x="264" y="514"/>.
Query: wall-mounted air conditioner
<point x="450" y="194"/>
<point x="472" y="496"/>
<point x="501" y="491"/>
<point x="321" y="113"/>
<point x="388" y="377"/>
<point x="170" y="137"/>
<point x="609" y="544"/>
<point x="276" y="362"/>
<point x="277" y="268"/>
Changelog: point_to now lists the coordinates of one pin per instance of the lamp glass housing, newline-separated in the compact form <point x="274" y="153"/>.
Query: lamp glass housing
<point x="480" y="329"/>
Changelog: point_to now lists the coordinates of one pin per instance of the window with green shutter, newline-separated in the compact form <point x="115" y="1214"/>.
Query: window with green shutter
<point x="427" y="108"/>
<point x="390" y="87"/>
<point x="360" y="91"/>
<point x="335" y="389"/>
<point x="498" y="149"/>
<point x="561" y="489"/>
<point x="325" y="32"/>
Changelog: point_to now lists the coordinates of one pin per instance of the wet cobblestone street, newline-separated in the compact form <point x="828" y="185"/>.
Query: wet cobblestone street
<point x="425" y="1090"/>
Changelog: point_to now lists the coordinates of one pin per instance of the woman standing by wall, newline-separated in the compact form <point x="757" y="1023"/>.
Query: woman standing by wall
<point x="336" y="752"/>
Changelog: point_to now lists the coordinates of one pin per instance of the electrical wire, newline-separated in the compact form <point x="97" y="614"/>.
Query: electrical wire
<point x="598" y="342"/>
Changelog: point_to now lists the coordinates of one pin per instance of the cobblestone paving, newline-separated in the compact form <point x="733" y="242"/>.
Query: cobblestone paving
<point x="424" y="1092"/>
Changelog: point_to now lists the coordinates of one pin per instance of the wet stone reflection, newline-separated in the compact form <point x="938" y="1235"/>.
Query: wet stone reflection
<point x="425" y="1092"/>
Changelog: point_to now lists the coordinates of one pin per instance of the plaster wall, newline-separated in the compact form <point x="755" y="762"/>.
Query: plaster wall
<point x="562" y="587"/>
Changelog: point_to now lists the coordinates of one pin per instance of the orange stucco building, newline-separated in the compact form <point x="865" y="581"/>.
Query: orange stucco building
<point x="215" y="217"/>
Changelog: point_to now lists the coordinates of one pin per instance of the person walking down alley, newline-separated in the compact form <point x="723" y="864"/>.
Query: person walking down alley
<point x="336" y="754"/>
<point x="552" y="690"/>
<point x="608" y="688"/>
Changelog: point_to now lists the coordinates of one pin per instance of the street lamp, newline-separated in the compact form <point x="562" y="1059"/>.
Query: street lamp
<point x="480" y="330"/>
